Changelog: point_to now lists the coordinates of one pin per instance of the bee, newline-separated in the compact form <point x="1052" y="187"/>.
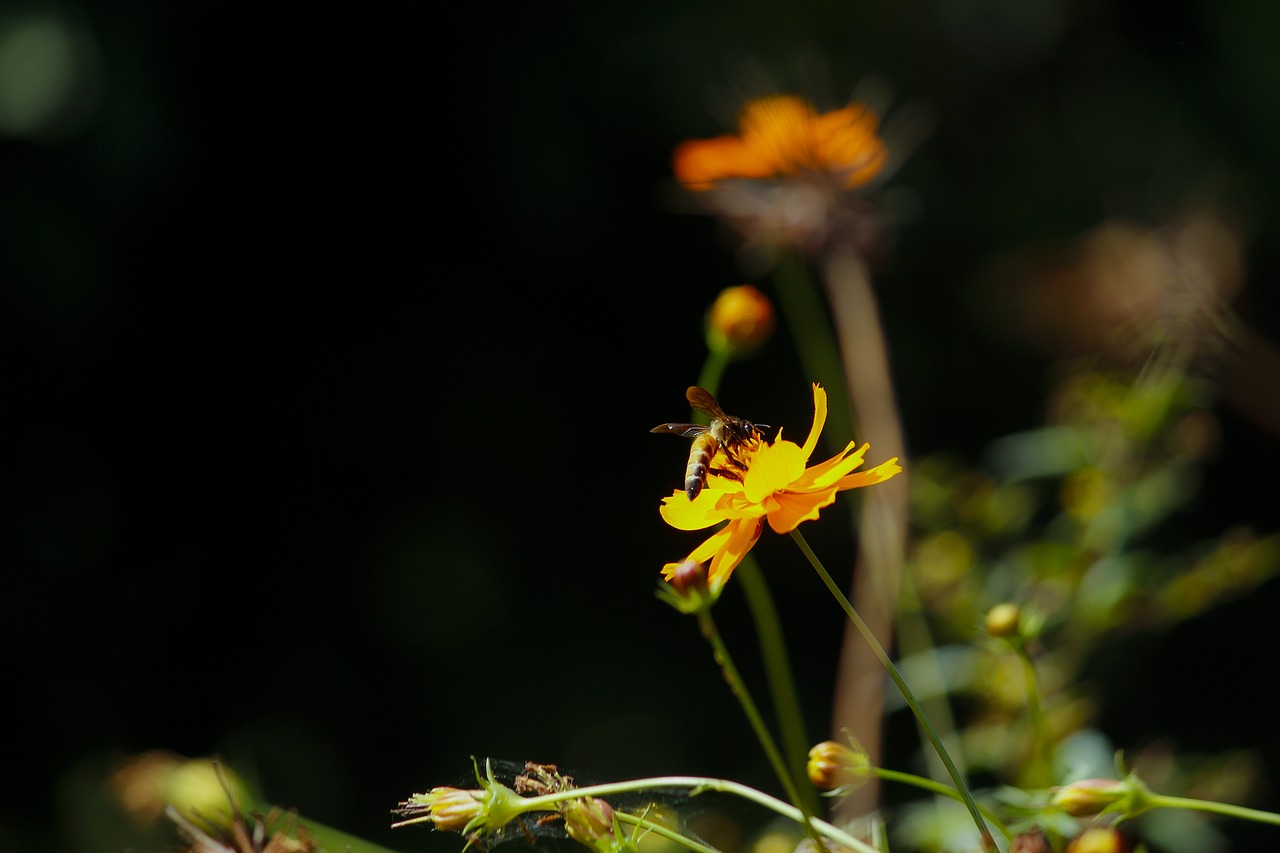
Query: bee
<point x="727" y="433"/>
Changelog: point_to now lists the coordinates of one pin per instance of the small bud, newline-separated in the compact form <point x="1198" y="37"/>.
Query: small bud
<point x="1089" y="797"/>
<point x="1004" y="620"/>
<point x="589" y="822"/>
<point x="739" y="321"/>
<point x="690" y="578"/>
<point x="833" y="765"/>
<point x="453" y="809"/>
<point x="1099" y="839"/>
<point x="687" y="589"/>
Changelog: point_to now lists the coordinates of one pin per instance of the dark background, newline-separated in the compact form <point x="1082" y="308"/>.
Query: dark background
<point x="332" y="336"/>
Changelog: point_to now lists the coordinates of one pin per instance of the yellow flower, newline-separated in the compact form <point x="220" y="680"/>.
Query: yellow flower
<point x="783" y="135"/>
<point x="776" y="487"/>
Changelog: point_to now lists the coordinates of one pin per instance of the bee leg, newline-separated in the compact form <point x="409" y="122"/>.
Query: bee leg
<point x="736" y="462"/>
<point x="727" y="474"/>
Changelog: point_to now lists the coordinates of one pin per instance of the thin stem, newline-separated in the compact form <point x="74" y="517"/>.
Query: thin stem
<point x="328" y="838"/>
<point x="713" y="371"/>
<point x="739" y="688"/>
<point x="700" y="785"/>
<point x="1161" y="801"/>
<point x="943" y="790"/>
<point x="669" y="834"/>
<point x="1041" y="770"/>
<point x="819" y="356"/>
<point x="987" y="841"/>
<point x="782" y="687"/>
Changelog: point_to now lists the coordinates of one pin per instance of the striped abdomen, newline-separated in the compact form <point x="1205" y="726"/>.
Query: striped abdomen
<point x="695" y="476"/>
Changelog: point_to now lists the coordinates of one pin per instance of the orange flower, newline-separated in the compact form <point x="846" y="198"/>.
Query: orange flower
<point x="740" y="321"/>
<point x="776" y="487"/>
<point x="784" y="135"/>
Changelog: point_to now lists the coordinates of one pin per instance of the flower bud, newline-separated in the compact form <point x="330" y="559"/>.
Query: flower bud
<point x="1004" y="620"/>
<point x="740" y="321"/>
<point x="687" y="589"/>
<point x="1089" y="797"/>
<point x="453" y="809"/>
<point x="589" y="822"/>
<point x="833" y="765"/>
<point x="1099" y="839"/>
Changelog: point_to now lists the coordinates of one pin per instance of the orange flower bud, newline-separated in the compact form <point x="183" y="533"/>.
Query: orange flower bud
<point x="834" y="765"/>
<point x="740" y="320"/>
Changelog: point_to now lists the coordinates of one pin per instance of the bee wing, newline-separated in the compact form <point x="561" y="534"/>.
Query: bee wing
<point x="682" y="430"/>
<point x="701" y="399"/>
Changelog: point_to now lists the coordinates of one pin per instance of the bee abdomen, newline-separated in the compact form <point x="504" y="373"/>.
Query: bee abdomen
<point x="695" y="475"/>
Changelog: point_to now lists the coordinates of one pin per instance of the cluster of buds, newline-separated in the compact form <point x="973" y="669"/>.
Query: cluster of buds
<point x="485" y="814"/>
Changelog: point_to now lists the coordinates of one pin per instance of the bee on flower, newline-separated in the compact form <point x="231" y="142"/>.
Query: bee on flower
<point x="772" y="482"/>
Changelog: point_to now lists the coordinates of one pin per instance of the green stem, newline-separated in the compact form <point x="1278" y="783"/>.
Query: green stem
<point x="1161" y="801"/>
<point x="700" y="785"/>
<point x="782" y="687"/>
<point x="810" y="330"/>
<point x="1041" y="770"/>
<point x="713" y="371"/>
<point x="328" y="839"/>
<point x="739" y="689"/>
<point x="669" y="834"/>
<point x="943" y="790"/>
<point x="987" y="841"/>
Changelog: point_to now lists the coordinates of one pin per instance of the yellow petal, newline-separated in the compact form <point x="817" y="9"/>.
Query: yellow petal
<point x="684" y="514"/>
<point x="773" y="467"/>
<point x="795" y="507"/>
<point x="742" y="535"/>
<point x="819" y="419"/>
<point x="827" y="473"/>
<point x="878" y="474"/>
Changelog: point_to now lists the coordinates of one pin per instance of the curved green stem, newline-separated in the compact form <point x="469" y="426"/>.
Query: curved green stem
<point x="699" y="785"/>
<point x="943" y="790"/>
<point x="1161" y="801"/>
<point x="713" y="371"/>
<point x="987" y="841"/>
<point x="669" y="834"/>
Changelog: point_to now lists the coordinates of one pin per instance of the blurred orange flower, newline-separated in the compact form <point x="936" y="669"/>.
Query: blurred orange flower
<point x="783" y="135"/>
<point x="776" y="487"/>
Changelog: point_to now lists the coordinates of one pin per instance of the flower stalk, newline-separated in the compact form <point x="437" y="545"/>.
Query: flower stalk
<point x="966" y="795"/>
<point x="739" y="688"/>
<point x="699" y="785"/>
